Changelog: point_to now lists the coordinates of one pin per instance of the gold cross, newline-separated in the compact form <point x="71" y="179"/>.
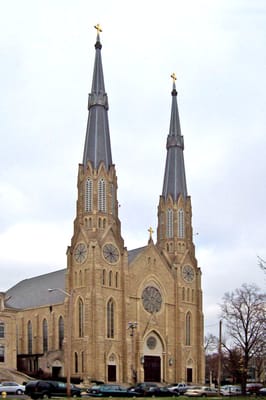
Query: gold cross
<point x="151" y="232"/>
<point x="173" y="76"/>
<point x="99" y="29"/>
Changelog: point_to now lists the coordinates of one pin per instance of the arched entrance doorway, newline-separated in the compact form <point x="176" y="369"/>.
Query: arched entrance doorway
<point x="152" y="358"/>
<point x="111" y="369"/>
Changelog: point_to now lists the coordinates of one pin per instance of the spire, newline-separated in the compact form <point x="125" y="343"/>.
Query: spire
<point x="97" y="143"/>
<point x="174" y="176"/>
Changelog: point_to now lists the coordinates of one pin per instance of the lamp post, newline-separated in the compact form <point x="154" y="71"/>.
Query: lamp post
<point x="132" y="326"/>
<point x="69" y="333"/>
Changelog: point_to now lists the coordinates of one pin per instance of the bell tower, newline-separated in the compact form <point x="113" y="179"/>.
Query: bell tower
<point x="97" y="205"/>
<point x="174" y="231"/>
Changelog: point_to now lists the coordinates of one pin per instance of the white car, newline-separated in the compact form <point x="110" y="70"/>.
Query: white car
<point x="12" y="387"/>
<point x="178" y="387"/>
<point x="230" y="390"/>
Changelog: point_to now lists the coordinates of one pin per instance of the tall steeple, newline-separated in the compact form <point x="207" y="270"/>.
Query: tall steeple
<point x="174" y="231"/>
<point x="97" y="205"/>
<point x="174" y="176"/>
<point x="97" y="143"/>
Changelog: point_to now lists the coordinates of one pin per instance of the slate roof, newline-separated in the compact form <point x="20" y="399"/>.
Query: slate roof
<point x="132" y="254"/>
<point x="97" y="146"/>
<point x="33" y="292"/>
<point x="174" y="176"/>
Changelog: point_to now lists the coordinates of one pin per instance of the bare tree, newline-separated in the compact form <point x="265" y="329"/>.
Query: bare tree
<point x="210" y="343"/>
<point x="244" y="311"/>
<point x="262" y="264"/>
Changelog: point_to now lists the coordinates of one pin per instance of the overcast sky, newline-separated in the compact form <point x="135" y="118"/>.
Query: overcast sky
<point x="217" y="49"/>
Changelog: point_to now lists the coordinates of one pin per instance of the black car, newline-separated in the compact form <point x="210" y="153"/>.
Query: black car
<point x="161" y="392"/>
<point x="47" y="389"/>
<point x="143" y="388"/>
<point x="262" y="392"/>
<point x="111" y="390"/>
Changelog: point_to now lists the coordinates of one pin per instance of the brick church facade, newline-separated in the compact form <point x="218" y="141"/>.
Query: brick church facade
<point x="113" y="315"/>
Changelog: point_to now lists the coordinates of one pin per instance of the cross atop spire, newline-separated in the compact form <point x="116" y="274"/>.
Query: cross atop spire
<point x="173" y="76"/>
<point x="98" y="28"/>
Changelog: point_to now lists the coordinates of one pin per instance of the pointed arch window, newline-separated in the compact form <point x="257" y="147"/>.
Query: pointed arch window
<point x="29" y="337"/>
<point x="169" y="228"/>
<point x="82" y="362"/>
<point x="112" y="193"/>
<point x="188" y="329"/>
<point x="61" y="332"/>
<point x="102" y="195"/>
<point x="45" y="335"/>
<point x="88" y="195"/>
<point x="2" y="329"/>
<point x="180" y="224"/>
<point x="76" y="362"/>
<point x="110" y="278"/>
<point x="104" y="277"/>
<point x="110" y="319"/>
<point x="2" y="353"/>
<point x="81" y="318"/>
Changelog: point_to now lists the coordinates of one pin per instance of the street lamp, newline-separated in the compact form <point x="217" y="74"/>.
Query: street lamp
<point x="132" y="326"/>
<point x="69" y="333"/>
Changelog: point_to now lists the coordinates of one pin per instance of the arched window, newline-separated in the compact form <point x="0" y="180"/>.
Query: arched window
<point x="188" y="329"/>
<point x="2" y="329"/>
<point x="76" y="362"/>
<point x="29" y="337"/>
<point x="81" y="318"/>
<point x="104" y="277"/>
<point x="60" y="332"/>
<point x="169" y="228"/>
<point x="2" y="353"/>
<point x="110" y="319"/>
<point x="88" y="195"/>
<point x="101" y="195"/>
<point x="116" y="279"/>
<point x="82" y="362"/>
<point x="183" y="293"/>
<point x="110" y="278"/>
<point x="180" y="224"/>
<point x="112" y="192"/>
<point x="45" y="335"/>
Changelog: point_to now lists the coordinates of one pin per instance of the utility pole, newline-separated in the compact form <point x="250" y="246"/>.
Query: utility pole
<point x="220" y="357"/>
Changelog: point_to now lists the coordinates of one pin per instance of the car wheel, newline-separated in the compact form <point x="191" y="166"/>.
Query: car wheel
<point x="46" y="396"/>
<point x="19" y="391"/>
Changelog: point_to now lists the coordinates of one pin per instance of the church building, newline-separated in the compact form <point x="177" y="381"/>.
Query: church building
<point x="113" y="315"/>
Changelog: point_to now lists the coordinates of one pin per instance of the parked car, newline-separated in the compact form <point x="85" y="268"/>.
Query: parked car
<point x="253" y="388"/>
<point x="143" y="388"/>
<point x="161" y="391"/>
<point x="111" y="390"/>
<point x="230" y="390"/>
<point x="178" y="387"/>
<point x="201" y="391"/>
<point x="46" y="389"/>
<point x="262" y="392"/>
<point x="12" y="388"/>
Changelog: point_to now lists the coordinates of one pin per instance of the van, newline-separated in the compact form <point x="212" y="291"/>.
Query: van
<point x="47" y="389"/>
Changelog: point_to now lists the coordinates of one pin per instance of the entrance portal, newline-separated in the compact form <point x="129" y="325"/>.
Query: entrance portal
<point x="152" y="369"/>
<point x="111" y="373"/>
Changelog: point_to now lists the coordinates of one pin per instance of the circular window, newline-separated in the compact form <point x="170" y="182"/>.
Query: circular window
<point x="151" y="299"/>
<point x="151" y="342"/>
